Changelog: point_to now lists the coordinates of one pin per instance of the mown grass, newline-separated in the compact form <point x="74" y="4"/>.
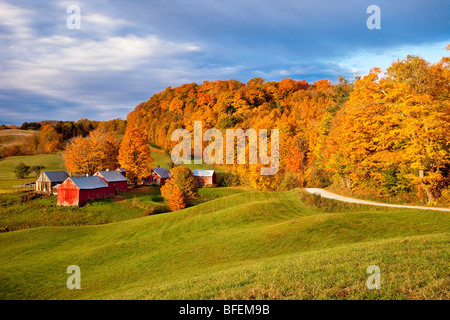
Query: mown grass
<point x="7" y="165"/>
<point x="253" y="245"/>
<point x="337" y="273"/>
<point x="161" y="159"/>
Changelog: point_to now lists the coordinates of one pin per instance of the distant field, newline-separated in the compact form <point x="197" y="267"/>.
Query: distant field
<point x="163" y="160"/>
<point x="7" y="165"/>
<point x="252" y="245"/>
<point x="12" y="137"/>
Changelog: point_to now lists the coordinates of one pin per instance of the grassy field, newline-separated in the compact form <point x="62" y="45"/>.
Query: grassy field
<point x="251" y="245"/>
<point x="17" y="214"/>
<point x="11" y="137"/>
<point x="7" y="165"/>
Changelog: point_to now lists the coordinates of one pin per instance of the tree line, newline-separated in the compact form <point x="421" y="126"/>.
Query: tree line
<point x="52" y="136"/>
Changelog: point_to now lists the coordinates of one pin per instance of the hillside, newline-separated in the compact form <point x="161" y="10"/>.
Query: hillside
<point x="385" y="135"/>
<point x="13" y="137"/>
<point x="250" y="245"/>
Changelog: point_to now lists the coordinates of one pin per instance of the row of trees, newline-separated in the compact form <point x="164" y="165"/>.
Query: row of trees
<point x="22" y="170"/>
<point x="102" y="150"/>
<point x="51" y="136"/>
<point x="384" y="133"/>
<point x="47" y="140"/>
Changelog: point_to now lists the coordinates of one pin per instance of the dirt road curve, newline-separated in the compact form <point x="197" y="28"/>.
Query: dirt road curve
<point x="330" y="195"/>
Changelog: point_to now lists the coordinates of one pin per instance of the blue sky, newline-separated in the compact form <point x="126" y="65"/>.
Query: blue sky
<point x="125" y="51"/>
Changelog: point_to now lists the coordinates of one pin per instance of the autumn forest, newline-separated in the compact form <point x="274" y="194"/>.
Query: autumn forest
<point x="384" y="135"/>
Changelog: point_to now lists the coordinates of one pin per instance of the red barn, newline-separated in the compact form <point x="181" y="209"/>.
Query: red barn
<point x="205" y="177"/>
<point x="158" y="176"/>
<point x="122" y="171"/>
<point x="115" y="180"/>
<point x="75" y="191"/>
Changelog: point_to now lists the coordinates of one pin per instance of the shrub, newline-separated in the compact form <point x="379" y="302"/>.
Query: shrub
<point x="227" y="179"/>
<point x="290" y="181"/>
<point x="4" y="229"/>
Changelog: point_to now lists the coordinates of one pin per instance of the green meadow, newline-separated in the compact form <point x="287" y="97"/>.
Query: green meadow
<point x="7" y="165"/>
<point x="248" y="245"/>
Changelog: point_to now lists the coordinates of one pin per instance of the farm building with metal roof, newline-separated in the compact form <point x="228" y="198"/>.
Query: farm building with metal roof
<point x="115" y="180"/>
<point x="48" y="179"/>
<point x="204" y="177"/>
<point x="158" y="176"/>
<point x="75" y="191"/>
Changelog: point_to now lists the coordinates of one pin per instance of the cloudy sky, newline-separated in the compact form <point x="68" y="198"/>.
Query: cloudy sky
<point x="125" y="51"/>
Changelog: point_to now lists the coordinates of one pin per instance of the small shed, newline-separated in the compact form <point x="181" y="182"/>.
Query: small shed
<point x="75" y="191"/>
<point x="48" y="179"/>
<point x="115" y="180"/>
<point x="158" y="177"/>
<point x="205" y="177"/>
<point x="123" y="171"/>
<point x="55" y="189"/>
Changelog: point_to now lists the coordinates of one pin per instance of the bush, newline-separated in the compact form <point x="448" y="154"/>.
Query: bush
<point x="37" y="169"/>
<point x="4" y="229"/>
<point x="330" y="205"/>
<point x="290" y="181"/>
<point x="227" y="179"/>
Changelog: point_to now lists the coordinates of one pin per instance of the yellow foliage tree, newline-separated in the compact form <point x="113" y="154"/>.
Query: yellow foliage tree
<point x="96" y="152"/>
<point x="181" y="189"/>
<point x="173" y="196"/>
<point x="134" y="155"/>
<point x="49" y="139"/>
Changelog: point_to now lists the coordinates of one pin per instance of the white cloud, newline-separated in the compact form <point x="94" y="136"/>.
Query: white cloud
<point x="62" y="64"/>
<point x="16" y="21"/>
<point x="361" y="62"/>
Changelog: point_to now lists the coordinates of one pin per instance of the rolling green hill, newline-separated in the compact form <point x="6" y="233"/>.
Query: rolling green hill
<point x="254" y="245"/>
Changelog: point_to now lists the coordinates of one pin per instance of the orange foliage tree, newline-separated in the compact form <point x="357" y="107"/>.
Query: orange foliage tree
<point x="181" y="189"/>
<point x="98" y="151"/>
<point x="134" y="155"/>
<point x="49" y="139"/>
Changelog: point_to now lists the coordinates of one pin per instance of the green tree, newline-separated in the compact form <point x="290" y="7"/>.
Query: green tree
<point x="37" y="169"/>
<point x="21" y="170"/>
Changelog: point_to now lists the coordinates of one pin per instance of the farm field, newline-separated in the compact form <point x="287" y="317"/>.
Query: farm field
<point x="13" y="137"/>
<point x="17" y="214"/>
<point x="251" y="245"/>
<point x="7" y="165"/>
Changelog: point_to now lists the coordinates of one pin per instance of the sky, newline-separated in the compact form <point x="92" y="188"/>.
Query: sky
<point x="125" y="51"/>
